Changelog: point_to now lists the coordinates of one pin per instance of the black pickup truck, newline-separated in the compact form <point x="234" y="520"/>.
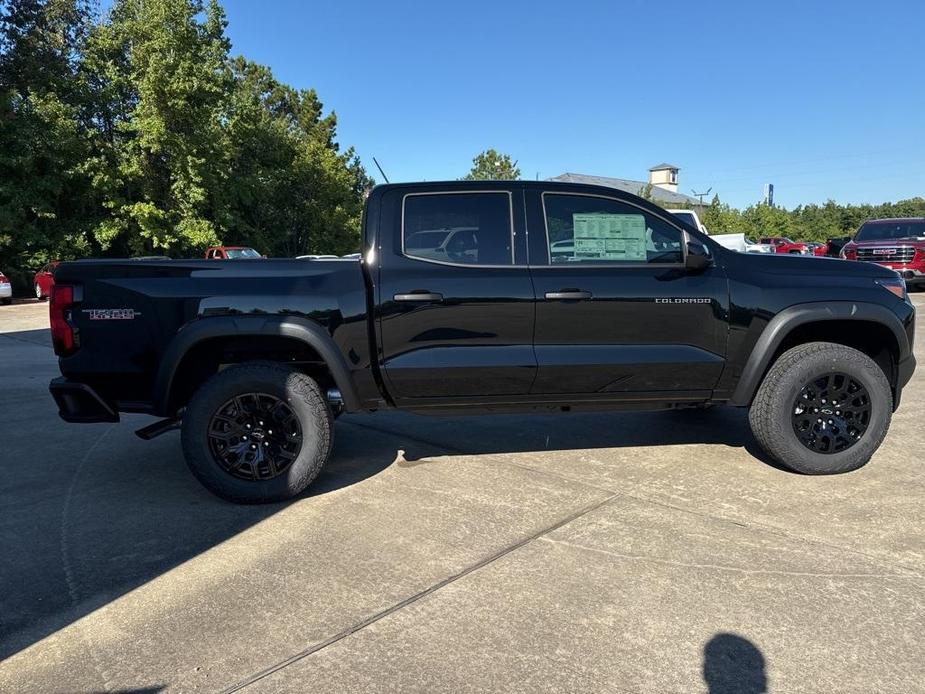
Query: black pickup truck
<point x="482" y="297"/>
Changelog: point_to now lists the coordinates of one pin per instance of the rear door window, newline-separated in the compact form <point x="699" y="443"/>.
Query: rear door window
<point x="458" y="228"/>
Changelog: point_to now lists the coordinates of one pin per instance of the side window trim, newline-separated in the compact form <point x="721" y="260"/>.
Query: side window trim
<point x="510" y="208"/>
<point x="683" y="235"/>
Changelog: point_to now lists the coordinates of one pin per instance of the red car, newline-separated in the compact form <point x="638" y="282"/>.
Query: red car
<point x="785" y="245"/>
<point x="231" y="253"/>
<point x="6" y="290"/>
<point x="44" y="280"/>
<point x="898" y="244"/>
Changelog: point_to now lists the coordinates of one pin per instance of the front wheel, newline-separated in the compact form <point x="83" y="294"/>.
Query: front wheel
<point x="257" y="433"/>
<point x="823" y="408"/>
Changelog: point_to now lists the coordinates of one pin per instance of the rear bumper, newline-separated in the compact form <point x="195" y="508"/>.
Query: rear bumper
<point x="6" y="291"/>
<point x="78" y="402"/>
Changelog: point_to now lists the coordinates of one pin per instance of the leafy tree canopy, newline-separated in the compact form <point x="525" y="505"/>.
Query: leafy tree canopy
<point x="490" y="165"/>
<point x="140" y="134"/>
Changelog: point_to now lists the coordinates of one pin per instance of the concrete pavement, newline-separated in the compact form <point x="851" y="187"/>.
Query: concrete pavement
<point x="595" y="552"/>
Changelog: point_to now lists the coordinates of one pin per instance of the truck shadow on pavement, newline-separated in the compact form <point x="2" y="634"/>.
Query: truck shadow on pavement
<point x="425" y="437"/>
<point x="90" y="512"/>
<point x="127" y="514"/>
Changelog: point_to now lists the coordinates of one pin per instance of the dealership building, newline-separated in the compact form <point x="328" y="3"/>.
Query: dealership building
<point x="663" y="180"/>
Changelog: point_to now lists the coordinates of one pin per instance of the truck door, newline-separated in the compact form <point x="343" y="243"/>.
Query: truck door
<point x="617" y="312"/>
<point x="455" y="297"/>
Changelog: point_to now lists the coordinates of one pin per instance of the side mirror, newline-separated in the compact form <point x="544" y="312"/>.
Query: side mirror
<point x="698" y="257"/>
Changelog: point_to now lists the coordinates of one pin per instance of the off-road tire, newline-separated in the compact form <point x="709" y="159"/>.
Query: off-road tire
<point x="300" y="392"/>
<point x="771" y="410"/>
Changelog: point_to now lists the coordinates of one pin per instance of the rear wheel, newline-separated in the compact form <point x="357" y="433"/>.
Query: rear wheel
<point x="38" y="292"/>
<point x="7" y="301"/>
<point x="823" y="408"/>
<point x="257" y="433"/>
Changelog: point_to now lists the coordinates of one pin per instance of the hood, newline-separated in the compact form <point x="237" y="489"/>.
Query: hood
<point x="785" y="264"/>
<point x="888" y="243"/>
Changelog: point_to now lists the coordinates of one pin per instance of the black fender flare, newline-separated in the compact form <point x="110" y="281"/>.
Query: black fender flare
<point x="303" y="329"/>
<point x="784" y="322"/>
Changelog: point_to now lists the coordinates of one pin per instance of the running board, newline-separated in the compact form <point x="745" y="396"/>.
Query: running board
<point x="162" y="427"/>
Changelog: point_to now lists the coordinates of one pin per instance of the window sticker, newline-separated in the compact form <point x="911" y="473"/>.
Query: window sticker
<point x="603" y="236"/>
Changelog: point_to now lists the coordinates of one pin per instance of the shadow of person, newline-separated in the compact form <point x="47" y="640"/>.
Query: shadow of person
<point x="733" y="665"/>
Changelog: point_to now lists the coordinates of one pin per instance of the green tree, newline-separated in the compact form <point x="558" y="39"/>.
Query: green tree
<point x="720" y="218"/>
<point x="165" y="67"/>
<point x="46" y="200"/>
<point x="290" y="189"/>
<point x="493" y="166"/>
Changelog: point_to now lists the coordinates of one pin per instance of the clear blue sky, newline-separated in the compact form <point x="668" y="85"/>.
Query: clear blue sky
<point x="823" y="99"/>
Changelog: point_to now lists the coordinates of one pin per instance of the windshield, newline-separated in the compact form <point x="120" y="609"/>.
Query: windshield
<point x="874" y="231"/>
<point x="236" y="253"/>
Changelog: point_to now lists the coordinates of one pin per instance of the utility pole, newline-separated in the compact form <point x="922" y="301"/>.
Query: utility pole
<point x="701" y="195"/>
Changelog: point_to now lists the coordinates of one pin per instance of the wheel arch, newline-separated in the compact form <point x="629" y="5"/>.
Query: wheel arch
<point x="853" y="324"/>
<point x="294" y="329"/>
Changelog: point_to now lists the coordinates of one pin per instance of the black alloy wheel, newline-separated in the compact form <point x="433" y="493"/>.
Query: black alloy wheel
<point x="831" y="413"/>
<point x="255" y="436"/>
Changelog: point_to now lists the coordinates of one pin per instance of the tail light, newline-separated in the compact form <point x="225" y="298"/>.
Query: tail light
<point x="64" y="336"/>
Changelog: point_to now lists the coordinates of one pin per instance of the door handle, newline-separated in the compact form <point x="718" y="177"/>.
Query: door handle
<point x="567" y="294"/>
<point x="419" y="296"/>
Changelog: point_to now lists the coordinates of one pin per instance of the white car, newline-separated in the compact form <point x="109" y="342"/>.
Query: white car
<point x="456" y="244"/>
<point x="734" y="242"/>
<point x="691" y="218"/>
<point x="755" y="247"/>
<point x="6" y="290"/>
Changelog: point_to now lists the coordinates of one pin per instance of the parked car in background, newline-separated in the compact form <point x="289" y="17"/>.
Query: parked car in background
<point x="232" y="253"/>
<point x="752" y="246"/>
<point x="784" y="245"/>
<point x="835" y="245"/>
<point x="454" y="244"/>
<point x="691" y="218"/>
<point x="818" y="249"/>
<point x="6" y="290"/>
<point x="898" y="244"/>
<point x="44" y="280"/>
<point x="734" y="242"/>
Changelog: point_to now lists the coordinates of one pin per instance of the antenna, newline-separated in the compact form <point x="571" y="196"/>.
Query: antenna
<point x="695" y="193"/>
<point x="380" y="170"/>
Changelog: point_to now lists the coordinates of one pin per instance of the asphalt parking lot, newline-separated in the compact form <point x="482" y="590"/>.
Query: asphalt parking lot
<point x="584" y="552"/>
